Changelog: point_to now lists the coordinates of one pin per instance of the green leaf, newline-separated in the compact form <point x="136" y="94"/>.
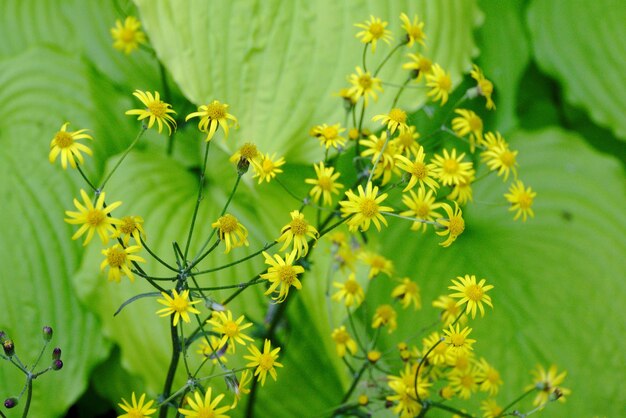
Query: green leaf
<point x="558" y="277"/>
<point x="586" y="58"/>
<point x="277" y="64"/>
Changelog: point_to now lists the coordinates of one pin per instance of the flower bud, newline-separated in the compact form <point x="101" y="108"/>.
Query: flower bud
<point x="57" y="365"/>
<point x="242" y="166"/>
<point x="56" y="353"/>
<point x="47" y="333"/>
<point x="9" y="347"/>
<point x="10" y="403"/>
<point x="3" y="337"/>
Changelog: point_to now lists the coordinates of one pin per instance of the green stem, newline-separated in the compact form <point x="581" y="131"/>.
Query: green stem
<point x="516" y="400"/>
<point x="380" y="155"/>
<point x="171" y="372"/>
<point x="198" y="200"/>
<point x="450" y="409"/>
<point x="232" y="286"/>
<point x="355" y="382"/>
<point x="363" y="58"/>
<point x="241" y="260"/>
<point x="156" y="257"/>
<point x="419" y="366"/>
<point x="29" y="396"/>
<point x="356" y="335"/>
<point x="395" y="99"/>
<point x="80" y="170"/>
<point x="380" y="66"/>
<point x="117" y="164"/>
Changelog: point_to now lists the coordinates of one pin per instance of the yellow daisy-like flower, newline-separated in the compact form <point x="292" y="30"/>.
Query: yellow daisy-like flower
<point x="521" y="199"/>
<point x="230" y="329"/>
<point x="299" y="231"/>
<point x="451" y="170"/>
<point x="449" y="310"/>
<point x="282" y="274"/>
<point x="131" y="226"/>
<point x="457" y="340"/>
<point x="385" y="315"/>
<point x="213" y="349"/>
<point x="454" y="225"/>
<point x="242" y="387"/>
<point x="484" y="87"/>
<point x="325" y="185"/>
<point x="414" y="30"/>
<point x="405" y="389"/>
<point x="460" y="360"/>
<point x="179" y="305"/>
<point x="205" y="408"/>
<point x="547" y="382"/>
<point x="364" y="85"/>
<point x="490" y="408"/>
<point x="440" y="84"/>
<point x="127" y="37"/>
<point x="408" y="292"/>
<point x="438" y="354"/>
<point x="343" y="341"/>
<point x="119" y="260"/>
<point x="373" y="31"/>
<point x="377" y="264"/>
<point x="231" y="231"/>
<point x="470" y="123"/>
<point x="420" y="66"/>
<point x="329" y="135"/>
<point x="350" y="291"/>
<point x="244" y="156"/>
<point x="364" y="208"/>
<point x="395" y="119"/>
<point x="498" y="156"/>
<point x="212" y="116"/>
<point x="93" y="218"/>
<point x="462" y="193"/>
<point x="464" y="382"/>
<point x="265" y="362"/>
<point x="422" y="206"/>
<point x="420" y="172"/>
<point x="489" y="378"/>
<point x="136" y="409"/>
<point x="266" y="168"/>
<point x="383" y="153"/>
<point x="156" y="110"/>
<point x="475" y="294"/>
<point x="348" y="98"/>
<point x="65" y="143"/>
<point x="406" y="142"/>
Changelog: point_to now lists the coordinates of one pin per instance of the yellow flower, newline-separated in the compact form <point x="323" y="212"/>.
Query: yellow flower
<point x="93" y="218"/>
<point x="156" y="110"/>
<point x="484" y="87"/>
<point x="408" y="292"/>
<point x="419" y="65"/>
<point x="363" y="85"/>
<point x="131" y="226"/>
<point x="383" y="153"/>
<point x="498" y="156"/>
<point x="464" y="382"/>
<point x="440" y="84"/>
<point x="547" y="382"/>
<point x="230" y="329"/>
<point x="490" y="408"/>
<point x="451" y="170"/>
<point x="137" y="409"/>
<point x="457" y="340"/>
<point x="266" y="168"/>
<point x="462" y="193"/>
<point x="454" y="225"/>
<point x="489" y="378"/>
<point x="265" y="362"/>
<point x="229" y="230"/>
<point x="385" y="315"/>
<point x="449" y="310"/>
<point x="343" y="341"/>
<point x="377" y="263"/>
<point x="282" y="274"/>
<point x="421" y="173"/>
<point x="396" y="119"/>
<point x="329" y="136"/>
<point x="422" y="206"/>
<point x="405" y="391"/>
<point x="246" y="155"/>
<point x="406" y="142"/>
<point x="521" y="199"/>
<point x="205" y="408"/>
<point x="468" y="122"/>
<point x="179" y="305"/>
<point x="65" y="143"/>
<point x="298" y="231"/>
<point x="414" y="30"/>
<point x="241" y="388"/>
<point x="325" y="185"/>
<point x="438" y="354"/>
<point x="213" y="349"/>
<point x="119" y="261"/>
<point x="373" y="30"/>
<point x="351" y="291"/>
<point x="212" y="116"/>
<point x="127" y="37"/>
<point x="475" y="294"/>
<point x="364" y="208"/>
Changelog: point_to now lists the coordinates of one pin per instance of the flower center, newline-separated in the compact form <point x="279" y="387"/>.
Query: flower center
<point x="248" y="151"/>
<point x="158" y="108"/>
<point x="128" y="225"/>
<point x="351" y="286"/>
<point x="385" y="313"/>
<point x="493" y="376"/>
<point x="286" y="274"/>
<point x="475" y="123"/>
<point x="415" y="32"/>
<point x="441" y="349"/>
<point x="95" y="217"/>
<point x="368" y="207"/>
<point x="420" y="170"/>
<point x="325" y="183"/>
<point x="525" y="200"/>
<point x="330" y="132"/>
<point x="268" y="165"/>
<point x="456" y="226"/>
<point x="451" y="166"/>
<point x="216" y="111"/>
<point x="299" y="226"/>
<point x="507" y="158"/>
<point x="63" y="139"/>
<point x="397" y="115"/>
<point x="457" y="340"/>
<point x="377" y="30"/>
<point x="474" y="292"/>
<point x="365" y="81"/>
<point x="228" y="223"/>
<point x="444" y="83"/>
<point x="128" y="35"/>
<point x="467" y="381"/>
<point x="266" y="362"/>
<point x="461" y="362"/>
<point x="405" y="140"/>
<point x="410" y="288"/>
<point x="424" y="65"/>
<point x="485" y="87"/>
<point x="135" y="414"/>
<point x="231" y="329"/>
<point x="180" y="304"/>
<point x="422" y="210"/>
<point x="341" y="337"/>
<point x="116" y="257"/>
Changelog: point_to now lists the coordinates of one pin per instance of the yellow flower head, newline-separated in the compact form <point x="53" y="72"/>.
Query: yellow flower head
<point x="373" y="31"/>
<point x="266" y="168"/>
<point x="395" y="119"/>
<point x="282" y="274"/>
<point x="484" y="86"/>
<point x="414" y="30"/>
<point x="438" y="349"/>
<point x="265" y="362"/>
<point x="440" y="84"/>
<point x="462" y="193"/>
<point x="422" y="207"/>
<point x="127" y="37"/>
<point x="325" y="185"/>
<point x="229" y="230"/>
<point x="406" y="142"/>
<point x="343" y="341"/>
<point x="521" y="199"/>
<point x="299" y="231"/>
<point x="201" y="408"/>
<point x="454" y="225"/>
<point x="498" y="156"/>
<point x="457" y="340"/>
<point x="364" y="208"/>
<point x="213" y="116"/>
<point x="119" y="260"/>
<point x="136" y="409"/>
<point x="470" y="123"/>
<point x="364" y="85"/>
<point x="449" y="310"/>
<point x="350" y="291"/>
<point x="131" y="226"/>
<point x="179" y="305"/>
<point x="385" y="315"/>
<point x="230" y="330"/>
<point x="244" y="156"/>
<point x="213" y="349"/>
<point x="422" y="174"/>
<point x="464" y="382"/>
<point x="420" y="66"/>
<point x="155" y="109"/>
<point x="475" y="294"/>
<point x="451" y="170"/>
<point x="329" y="135"/>
<point x="377" y="264"/>
<point x="489" y="378"/>
<point x="407" y="292"/>
<point x="490" y="408"/>
<point x="546" y="382"/>
<point x="93" y="218"/>
<point x="65" y="143"/>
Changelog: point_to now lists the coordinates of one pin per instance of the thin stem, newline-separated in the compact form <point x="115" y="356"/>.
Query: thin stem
<point x="356" y="335"/>
<point x="395" y="99"/>
<point x="233" y="286"/>
<point x="355" y="382"/>
<point x="363" y="58"/>
<point x="380" y="66"/>
<point x="80" y="170"/>
<point x="45" y="344"/>
<point x="156" y="257"/>
<point x="198" y="200"/>
<point x="289" y="192"/>
<point x="29" y="396"/>
<point x="450" y="409"/>
<point x="207" y="252"/>
<point x="241" y="260"/>
<point x="419" y="366"/>
<point x="516" y="400"/>
<point x="380" y="154"/>
<point x="117" y="164"/>
<point x="171" y="372"/>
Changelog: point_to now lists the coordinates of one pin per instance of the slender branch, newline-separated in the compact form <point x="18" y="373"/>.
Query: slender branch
<point x="380" y="66"/>
<point x="156" y="257"/>
<point x="516" y="400"/>
<point x="171" y="372"/>
<point x="134" y="298"/>
<point x="241" y="260"/>
<point x="198" y="200"/>
<point x="121" y="159"/>
<point x="80" y="170"/>
<point x="29" y="396"/>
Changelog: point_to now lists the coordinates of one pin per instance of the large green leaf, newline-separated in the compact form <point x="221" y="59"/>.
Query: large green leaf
<point x="557" y="277"/>
<point x="278" y="63"/>
<point x="582" y="44"/>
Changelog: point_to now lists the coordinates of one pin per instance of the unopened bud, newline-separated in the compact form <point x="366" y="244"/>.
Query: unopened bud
<point x="56" y="353"/>
<point x="3" y="337"/>
<point x="9" y="347"/>
<point x="57" y="364"/>
<point x="10" y="403"/>
<point x="242" y="166"/>
<point x="47" y="333"/>
<point x="556" y="394"/>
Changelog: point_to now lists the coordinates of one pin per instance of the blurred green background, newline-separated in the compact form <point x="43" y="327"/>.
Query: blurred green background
<point x="558" y="67"/>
